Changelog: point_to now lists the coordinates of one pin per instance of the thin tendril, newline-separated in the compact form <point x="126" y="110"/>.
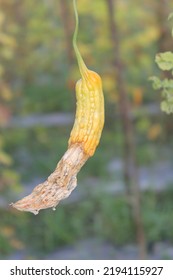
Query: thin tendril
<point x="82" y="67"/>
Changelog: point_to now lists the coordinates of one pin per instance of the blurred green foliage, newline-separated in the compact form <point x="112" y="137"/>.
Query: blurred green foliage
<point x="165" y="62"/>
<point x="37" y="76"/>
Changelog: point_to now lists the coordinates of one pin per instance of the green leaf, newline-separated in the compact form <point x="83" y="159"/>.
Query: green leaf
<point x="165" y="60"/>
<point x="157" y="83"/>
<point x="167" y="83"/>
<point x="167" y="107"/>
<point x="170" y="16"/>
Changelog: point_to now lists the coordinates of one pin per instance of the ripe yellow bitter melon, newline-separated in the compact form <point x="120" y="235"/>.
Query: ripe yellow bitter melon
<point x="84" y="138"/>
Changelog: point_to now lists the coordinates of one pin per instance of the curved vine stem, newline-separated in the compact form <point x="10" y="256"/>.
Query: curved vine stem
<point x="82" y="66"/>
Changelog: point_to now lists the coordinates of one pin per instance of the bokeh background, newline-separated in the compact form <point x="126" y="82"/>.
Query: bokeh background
<point x="123" y="205"/>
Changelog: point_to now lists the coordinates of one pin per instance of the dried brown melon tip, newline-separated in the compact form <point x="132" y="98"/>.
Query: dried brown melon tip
<point x="59" y="184"/>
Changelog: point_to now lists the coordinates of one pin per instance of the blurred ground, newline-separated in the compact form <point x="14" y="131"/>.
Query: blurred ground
<point x="97" y="249"/>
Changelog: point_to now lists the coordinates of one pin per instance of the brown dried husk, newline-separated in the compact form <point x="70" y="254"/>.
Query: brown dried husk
<point x="58" y="185"/>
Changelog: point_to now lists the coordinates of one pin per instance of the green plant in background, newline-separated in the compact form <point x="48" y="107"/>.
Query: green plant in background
<point x="9" y="178"/>
<point x="165" y="63"/>
<point x="158" y="215"/>
<point x="101" y="216"/>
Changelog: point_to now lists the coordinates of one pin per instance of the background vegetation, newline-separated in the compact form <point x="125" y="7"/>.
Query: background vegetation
<point x="38" y="72"/>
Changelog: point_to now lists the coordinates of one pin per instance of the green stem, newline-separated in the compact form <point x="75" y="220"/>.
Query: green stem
<point x="82" y="67"/>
